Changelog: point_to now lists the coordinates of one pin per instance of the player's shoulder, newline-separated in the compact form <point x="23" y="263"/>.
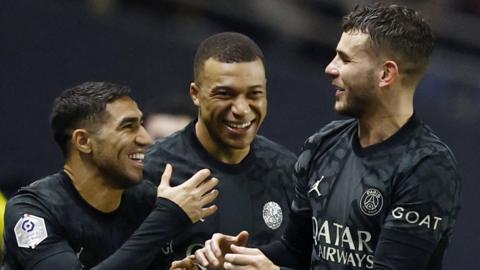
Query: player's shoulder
<point x="322" y="139"/>
<point x="144" y="192"/>
<point x="168" y="144"/>
<point x="330" y="131"/>
<point x="44" y="199"/>
<point x="264" y="145"/>
<point x="427" y="144"/>
<point x="428" y="162"/>
<point x="47" y="190"/>
<point x="175" y="149"/>
<point x="172" y="147"/>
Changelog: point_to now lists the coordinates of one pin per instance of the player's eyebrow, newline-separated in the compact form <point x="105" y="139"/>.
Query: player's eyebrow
<point x="343" y="54"/>
<point x="127" y="120"/>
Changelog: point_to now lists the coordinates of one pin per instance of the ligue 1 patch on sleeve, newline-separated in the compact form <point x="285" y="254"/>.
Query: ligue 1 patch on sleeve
<point x="30" y="231"/>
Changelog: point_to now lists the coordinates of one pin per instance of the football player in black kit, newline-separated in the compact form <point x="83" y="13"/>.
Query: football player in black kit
<point x="97" y="213"/>
<point x="255" y="188"/>
<point x="381" y="190"/>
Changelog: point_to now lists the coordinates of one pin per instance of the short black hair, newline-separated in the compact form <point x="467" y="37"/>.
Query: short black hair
<point x="226" y="47"/>
<point x="397" y="30"/>
<point x="84" y="102"/>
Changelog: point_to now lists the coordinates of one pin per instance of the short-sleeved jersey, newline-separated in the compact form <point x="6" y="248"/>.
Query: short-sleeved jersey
<point x="254" y="195"/>
<point x="407" y="184"/>
<point x="50" y="217"/>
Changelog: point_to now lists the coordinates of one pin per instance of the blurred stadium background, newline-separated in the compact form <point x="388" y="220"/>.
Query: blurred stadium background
<point x="49" y="45"/>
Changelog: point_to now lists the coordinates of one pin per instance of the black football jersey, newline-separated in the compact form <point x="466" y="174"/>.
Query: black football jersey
<point x="49" y="217"/>
<point x="254" y="195"/>
<point x="367" y="202"/>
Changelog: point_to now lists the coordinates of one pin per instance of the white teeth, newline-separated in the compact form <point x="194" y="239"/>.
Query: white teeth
<point x="234" y="125"/>
<point x="137" y="156"/>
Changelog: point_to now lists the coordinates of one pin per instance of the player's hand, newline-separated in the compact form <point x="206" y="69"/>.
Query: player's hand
<point x="192" y="195"/>
<point x="185" y="264"/>
<point x="243" y="258"/>
<point x="212" y="254"/>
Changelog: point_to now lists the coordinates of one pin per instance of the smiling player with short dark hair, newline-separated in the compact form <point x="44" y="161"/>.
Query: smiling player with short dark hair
<point x="97" y="213"/>
<point x="255" y="186"/>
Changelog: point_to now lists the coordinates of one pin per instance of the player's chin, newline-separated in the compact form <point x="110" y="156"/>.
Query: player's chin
<point x="340" y="107"/>
<point x="241" y="142"/>
<point x="133" y="178"/>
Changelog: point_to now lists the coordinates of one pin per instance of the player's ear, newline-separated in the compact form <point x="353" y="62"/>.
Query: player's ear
<point x="389" y="73"/>
<point x="194" y="91"/>
<point x="81" y="141"/>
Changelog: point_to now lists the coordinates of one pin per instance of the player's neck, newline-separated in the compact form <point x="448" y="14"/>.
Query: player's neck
<point x="229" y="156"/>
<point x="224" y="154"/>
<point x="93" y="188"/>
<point x="376" y="128"/>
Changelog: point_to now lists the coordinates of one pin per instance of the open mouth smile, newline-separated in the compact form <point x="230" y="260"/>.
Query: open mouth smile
<point x="235" y="125"/>
<point x="137" y="157"/>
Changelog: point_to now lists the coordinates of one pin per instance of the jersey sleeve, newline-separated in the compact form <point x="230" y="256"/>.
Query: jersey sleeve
<point x="313" y="147"/>
<point x="31" y="233"/>
<point x="165" y="222"/>
<point x="34" y="238"/>
<point x="424" y="207"/>
<point x="301" y="202"/>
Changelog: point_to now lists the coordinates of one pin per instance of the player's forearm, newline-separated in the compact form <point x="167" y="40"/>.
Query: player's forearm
<point x="295" y="247"/>
<point x="161" y="226"/>
<point x="400" y="251"/>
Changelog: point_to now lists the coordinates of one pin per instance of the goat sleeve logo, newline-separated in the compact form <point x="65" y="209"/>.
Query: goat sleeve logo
<point x="371" y="202"/>
<point x="272" y="215"/>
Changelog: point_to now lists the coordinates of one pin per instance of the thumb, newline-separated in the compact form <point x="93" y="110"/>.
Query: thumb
<point x="242" y="238"/>
<point x="166" y="176"/>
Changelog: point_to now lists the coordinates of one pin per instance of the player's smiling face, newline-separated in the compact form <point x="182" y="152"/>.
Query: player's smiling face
<point x="232" y="101"/>
<point x="119" y="145"/>
<point x="353" y="73"/>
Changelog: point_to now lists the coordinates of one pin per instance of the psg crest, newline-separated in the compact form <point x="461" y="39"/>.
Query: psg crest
<point x="272" y="215"/>
<point x="371" y="202"/>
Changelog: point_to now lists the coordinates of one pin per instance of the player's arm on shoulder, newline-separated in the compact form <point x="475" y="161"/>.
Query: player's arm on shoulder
<point x="176" y="209"/>
<point x="33" y="238"/>
<point x="425" y="204"/>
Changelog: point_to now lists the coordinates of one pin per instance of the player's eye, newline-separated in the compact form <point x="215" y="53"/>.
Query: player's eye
<point x="257" y="93"/>
<point x="345" y="59"/>
<point x="222" y="93"/>
<point x="131" y="125"/>
<point x="127" y="126"/>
